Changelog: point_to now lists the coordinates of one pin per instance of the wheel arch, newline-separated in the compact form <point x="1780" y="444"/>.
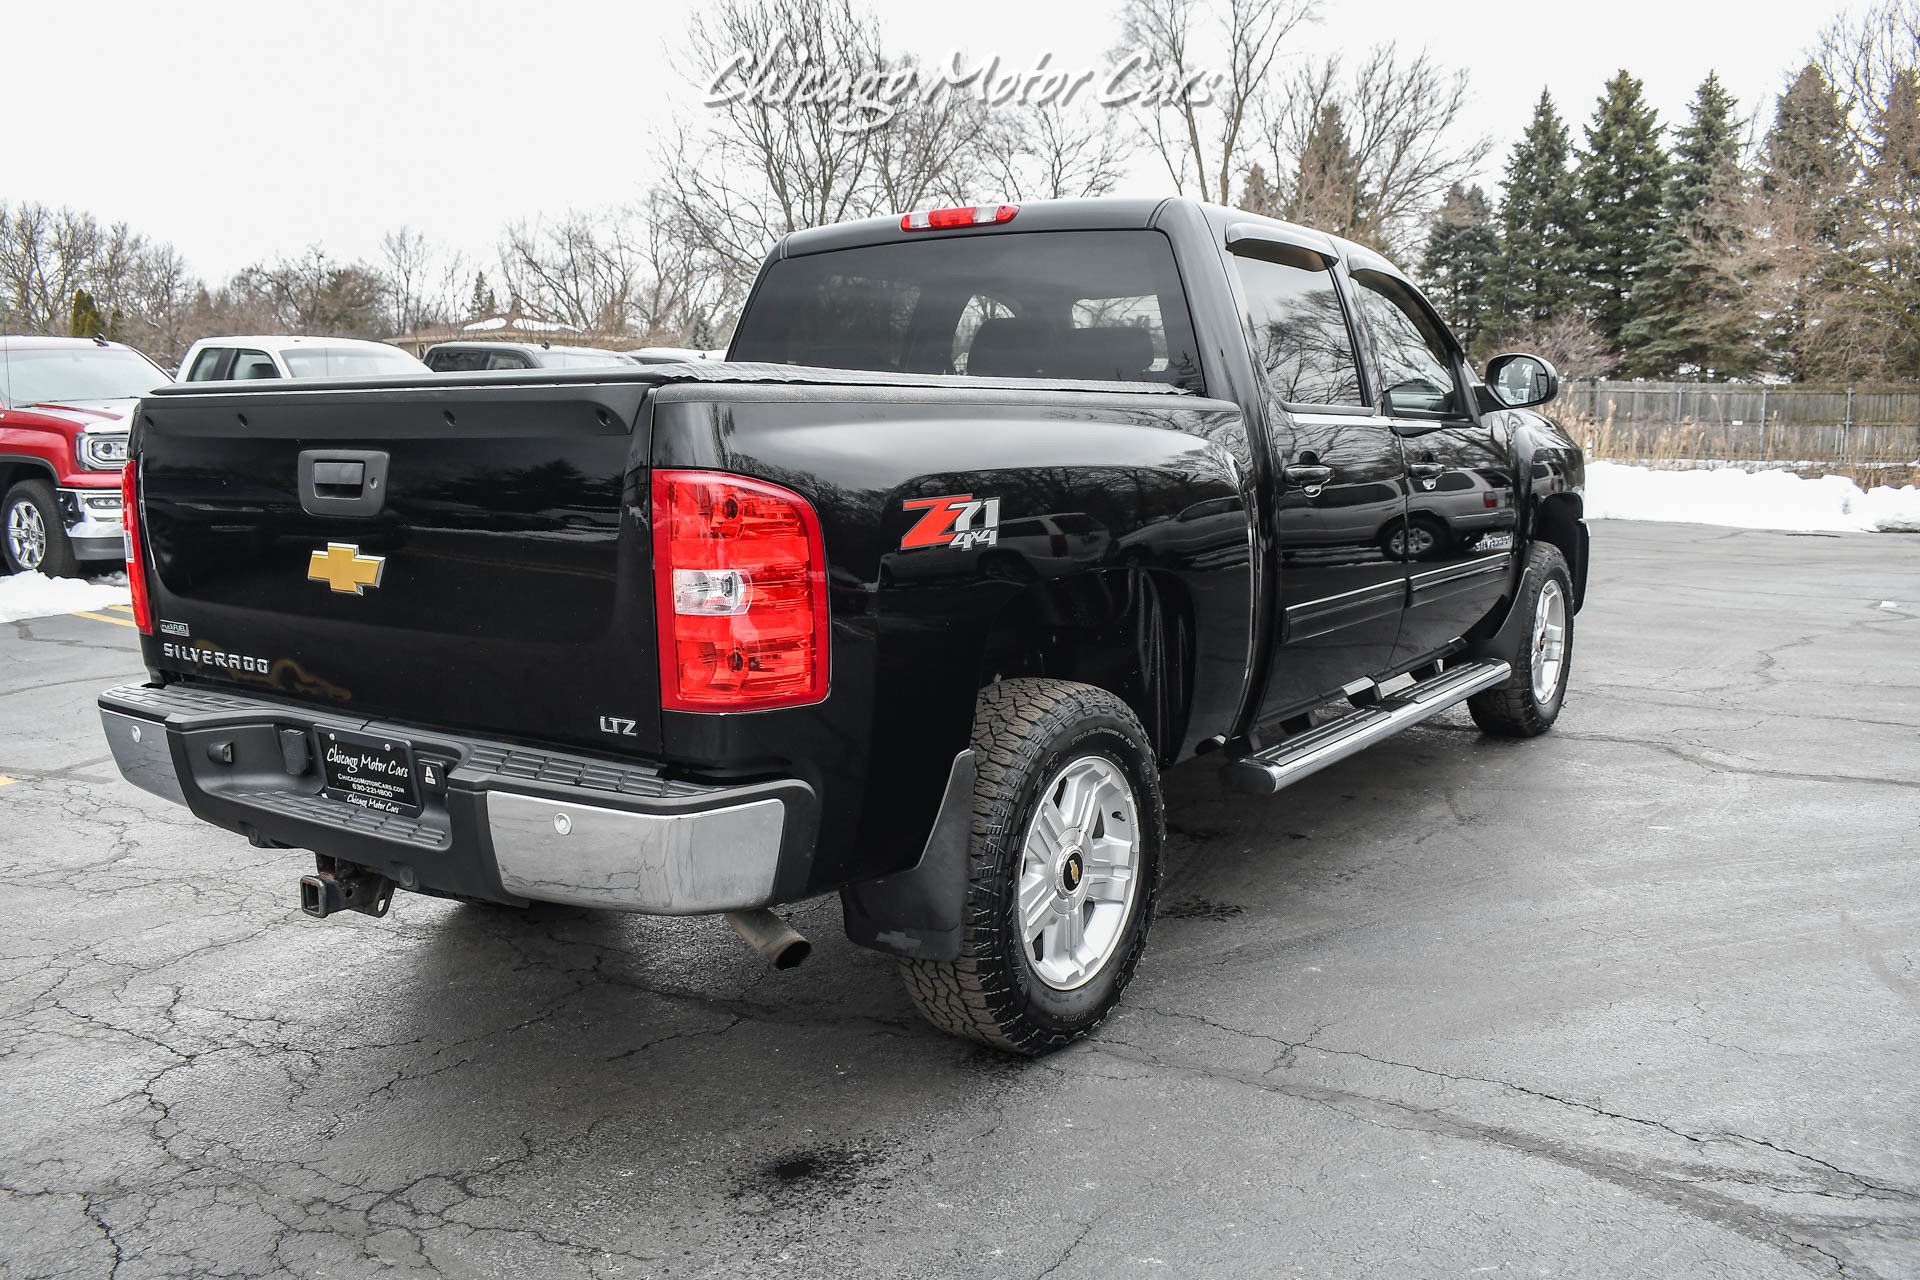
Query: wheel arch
<point x="1129" y="631"/>
<point x="1560" y="518"/>
<point x="15" y="467"/>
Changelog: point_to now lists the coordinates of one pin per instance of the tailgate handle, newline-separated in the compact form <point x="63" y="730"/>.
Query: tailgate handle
<point x="343" y="482"/>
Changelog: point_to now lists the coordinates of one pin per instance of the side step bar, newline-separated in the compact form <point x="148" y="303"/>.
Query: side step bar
<point x="1285" y="763"/>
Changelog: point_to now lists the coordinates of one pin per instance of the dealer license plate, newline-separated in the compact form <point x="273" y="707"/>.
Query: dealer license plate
<point x="374" y="773"/>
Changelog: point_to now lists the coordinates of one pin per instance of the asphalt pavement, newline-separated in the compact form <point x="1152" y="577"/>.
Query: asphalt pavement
<point x="1639" y="998"/>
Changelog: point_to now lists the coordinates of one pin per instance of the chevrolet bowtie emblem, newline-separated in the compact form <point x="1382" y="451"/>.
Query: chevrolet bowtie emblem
<point x="342" y="567"/>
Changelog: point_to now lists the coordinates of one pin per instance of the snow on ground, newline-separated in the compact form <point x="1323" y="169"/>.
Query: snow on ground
<point x="1749" y="500"/>
<point x="35" y="595"/>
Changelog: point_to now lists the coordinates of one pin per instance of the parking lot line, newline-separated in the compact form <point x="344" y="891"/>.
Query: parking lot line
<point x="5" y="781"/>
<point x="122" y="608"/>
<point x="101" y="617"/>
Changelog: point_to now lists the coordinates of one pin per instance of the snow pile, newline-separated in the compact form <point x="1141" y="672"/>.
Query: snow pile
<point x="35" y="595"/>
<point x="1749" y="500"/>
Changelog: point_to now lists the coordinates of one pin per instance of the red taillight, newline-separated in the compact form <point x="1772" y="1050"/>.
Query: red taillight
<point x="966" y="215"/>
<point x="740" y="586"/>
<point x="136" y="554"/>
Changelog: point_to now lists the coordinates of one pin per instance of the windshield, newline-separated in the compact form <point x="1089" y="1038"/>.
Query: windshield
<point x="54" y="375"/>
<point x="1102" y="305"/>
<point x="347" y="362"/>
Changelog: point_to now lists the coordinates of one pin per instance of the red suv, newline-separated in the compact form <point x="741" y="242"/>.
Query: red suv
<point x="65" y="407"/>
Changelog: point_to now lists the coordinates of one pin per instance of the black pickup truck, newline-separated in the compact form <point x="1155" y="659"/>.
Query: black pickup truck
<point x="991" y="515"/>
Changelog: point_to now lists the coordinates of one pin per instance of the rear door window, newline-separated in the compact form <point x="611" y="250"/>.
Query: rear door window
<point x="1297" y="327"/>
<point x="457" y="361"/>
<point x="206" y="365"/>
<point x="1103" y="305"/>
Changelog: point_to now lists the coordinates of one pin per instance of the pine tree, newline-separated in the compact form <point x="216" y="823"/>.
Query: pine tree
<point x="482" y="302"/>
<point x="1532" y="277"/>
<point x="1689" y="315"/>
<point x="1460" y="254"/>
<point x="1884" y="258"/>
<point x="1807" y="159"/>
<point x="1329" y="191"/>
<point x="1622" y="184"/>
<point x="1809" y="177"/>
<point x="85" y="320"/>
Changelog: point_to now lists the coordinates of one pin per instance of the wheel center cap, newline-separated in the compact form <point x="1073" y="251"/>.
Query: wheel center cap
<point x="1072" y="871"/>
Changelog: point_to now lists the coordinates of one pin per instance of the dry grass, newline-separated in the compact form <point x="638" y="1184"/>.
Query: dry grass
<point x="1694" y="445"/>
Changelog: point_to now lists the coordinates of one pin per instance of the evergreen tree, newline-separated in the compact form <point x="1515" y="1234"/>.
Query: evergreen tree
<point x="1460" y="254"/>
<point x="1622" y="185"/>
<point x="1807" y="159"/>
<point x="482" y="302"/>
<point x="1689" y="315"/>
<point x="1532" y="278"/>
<point x="85" y="320"/>
<point x="1884" y="260"/>
<point x="1329" y="191"/>
<point x="1807" y="188"/>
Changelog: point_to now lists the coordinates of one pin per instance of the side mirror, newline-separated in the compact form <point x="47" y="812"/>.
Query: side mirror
<point x="1520" y="381"/>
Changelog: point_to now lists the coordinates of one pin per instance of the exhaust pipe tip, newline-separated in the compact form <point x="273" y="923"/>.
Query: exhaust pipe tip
<point x="776" y="941"/>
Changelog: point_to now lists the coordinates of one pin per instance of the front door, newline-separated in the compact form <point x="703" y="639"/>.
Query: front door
<point x="1458" y="538"/>
<point x="1339" y="482"/>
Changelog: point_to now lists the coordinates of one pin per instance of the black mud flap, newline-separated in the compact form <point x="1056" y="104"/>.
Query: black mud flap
<point x="917" y="914"/>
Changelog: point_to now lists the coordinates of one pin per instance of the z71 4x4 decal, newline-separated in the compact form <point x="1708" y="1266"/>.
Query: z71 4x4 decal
<point x="957" y="520"/>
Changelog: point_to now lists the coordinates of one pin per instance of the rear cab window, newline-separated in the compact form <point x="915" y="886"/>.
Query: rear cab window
<point x="252" y="365"/>
<point x="1084" y="305"/>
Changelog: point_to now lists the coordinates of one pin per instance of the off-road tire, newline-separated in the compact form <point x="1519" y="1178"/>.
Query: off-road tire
<point x="58" y="560"/>
<point x="1513" y="709"/>
<point x="1024" y="731"/>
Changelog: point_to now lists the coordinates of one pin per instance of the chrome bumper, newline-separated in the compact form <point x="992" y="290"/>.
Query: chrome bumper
<point x="540" y="825"/>
<point x="91" y="518"/>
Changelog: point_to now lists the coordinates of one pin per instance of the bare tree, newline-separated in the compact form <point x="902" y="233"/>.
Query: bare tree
<point x="1053" y="152"/>
<point x="581" y="270"/>
<point x="407" y="276"/>
<point x="1199" y="138"/>
<point x="753" y="170"/>
<point x="1371" y="148"/>
<point x="44" y="256"/>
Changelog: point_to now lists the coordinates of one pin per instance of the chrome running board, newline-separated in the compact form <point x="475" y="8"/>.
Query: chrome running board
<point x="1286" y="762"/>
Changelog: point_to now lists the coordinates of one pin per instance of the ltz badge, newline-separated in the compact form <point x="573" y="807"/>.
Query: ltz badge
<point x="957" y="520"/>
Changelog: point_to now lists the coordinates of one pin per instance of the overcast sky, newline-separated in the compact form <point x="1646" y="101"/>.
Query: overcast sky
<point x="240" y="132"/>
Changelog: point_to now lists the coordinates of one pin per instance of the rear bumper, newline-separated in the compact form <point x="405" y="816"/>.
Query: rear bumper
<point x="506" y="823"/>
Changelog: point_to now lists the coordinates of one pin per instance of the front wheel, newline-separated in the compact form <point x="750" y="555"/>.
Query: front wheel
<point x="36" y="541"/>
<point x="1062" y="870"/>
<point x="1529" y="702"/>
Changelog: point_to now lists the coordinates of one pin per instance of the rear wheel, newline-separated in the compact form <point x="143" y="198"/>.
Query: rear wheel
<point x="35" y="541"/>
<point x="1063" y="868"/>
<point x="1529" y="702"/>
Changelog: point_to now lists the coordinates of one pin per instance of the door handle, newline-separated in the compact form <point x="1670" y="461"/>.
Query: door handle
<point x="1307" y="474"/>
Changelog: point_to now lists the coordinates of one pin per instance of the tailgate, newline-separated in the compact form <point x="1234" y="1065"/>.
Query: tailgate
<point x="440" y="555"/>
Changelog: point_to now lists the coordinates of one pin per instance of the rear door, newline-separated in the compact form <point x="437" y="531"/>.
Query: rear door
<point x="449" y="557"/>
<point x="1458" y="538"/>
<point x="1338" y="479"/>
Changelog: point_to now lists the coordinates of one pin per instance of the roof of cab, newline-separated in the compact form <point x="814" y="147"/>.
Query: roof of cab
<point x="1096" y="213"/>
<point x="1101" y="213"/>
